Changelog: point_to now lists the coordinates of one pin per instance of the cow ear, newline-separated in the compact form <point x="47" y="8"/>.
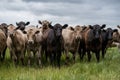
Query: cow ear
<point x="103" y="26"/>
<point x="65" y="25"/>
<point x="27" y="23"/>
<point x="39" y="22"/>
<point x="17" y="23"/>
<point x="118" y="26"/>
<point x="71" y="28"/>
<point x="104" y="30"/>
<point x="115" y="30"/>
<point x="24" y="32"/>
<point x="37" y="32"/>
<point x="11" y="24"/>
<point x="50" y="26"/>
<point x="91" y="27"/>
<point x="84" y="27"/>
<point x="51" y="22"/>
<point x="36" y="26"/>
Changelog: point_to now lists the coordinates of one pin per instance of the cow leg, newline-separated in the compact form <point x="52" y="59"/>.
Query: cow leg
<point x="29" y="57"/>
<point x="39" y="56"/>
<point x="58" y="59"/>
<point x="13" y="56"/>
<point x="18" y="57"/>
<point x="22" y="57"/>
<point x="0" y="56"/>
<point x="54" y="58"/>
<point x="51" y="57"/>
<point x="46" y="55"/>
<point x="67" y="56"/>
<point x="74" y="57"/>
<point x="83" y="54"/>
<point x="80" y="55"/>
<point x="103" y="52"/>
<point x="89" y="56"/>
<point x="3" y="54"/>
<point x="98" y="56"/>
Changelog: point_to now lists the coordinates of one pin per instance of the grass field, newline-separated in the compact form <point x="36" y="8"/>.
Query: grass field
<point x="107" y="69"/>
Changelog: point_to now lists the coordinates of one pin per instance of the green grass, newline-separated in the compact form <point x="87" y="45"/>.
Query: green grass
<point x="107" y="69"/>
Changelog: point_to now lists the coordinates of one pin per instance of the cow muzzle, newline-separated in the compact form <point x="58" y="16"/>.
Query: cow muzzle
<point x="30" y="42"/>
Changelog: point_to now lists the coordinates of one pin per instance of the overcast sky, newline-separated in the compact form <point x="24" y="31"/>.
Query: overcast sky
<point x="72" y="12"/>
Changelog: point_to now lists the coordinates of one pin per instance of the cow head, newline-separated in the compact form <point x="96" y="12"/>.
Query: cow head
<point x="78" y="30"/>
<point x="116" y="35"/>
<point x="58" y="29"/>
<point x="4" y="28"/>
<point x="97" y="30"/>
<point x="11" y="28"/>
<point x="45" y="24"/>
<point x="33" y="35"/>
<point x="22" y="24"/>
<point x="110" y="32"/>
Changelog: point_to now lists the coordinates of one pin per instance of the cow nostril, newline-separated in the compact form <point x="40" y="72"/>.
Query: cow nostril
<point x="30" y="42"/>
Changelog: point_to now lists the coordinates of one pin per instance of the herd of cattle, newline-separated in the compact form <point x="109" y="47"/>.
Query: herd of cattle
<point x="53" y="41"/>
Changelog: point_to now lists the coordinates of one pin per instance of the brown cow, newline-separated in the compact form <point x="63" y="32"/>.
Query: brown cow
<point x="34" y="41"/>
<point x="16" y="43"/>
<point x="92" y="41"/>
<point x="45" y="29"/>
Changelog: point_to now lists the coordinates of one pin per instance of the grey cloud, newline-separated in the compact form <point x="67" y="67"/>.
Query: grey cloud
<point x="63" y="11"/>
<point x="54" y="1"/>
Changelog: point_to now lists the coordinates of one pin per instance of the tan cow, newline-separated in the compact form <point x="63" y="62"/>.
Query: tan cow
<point x="3" y="27"/>
<point x="34" y="42"/>
<point x="3" y="39"/>
<point x="71" y="39"/>
<point x="116" y="35"/>
<point x="116" y="38"/>
<point x="16" y="43"/>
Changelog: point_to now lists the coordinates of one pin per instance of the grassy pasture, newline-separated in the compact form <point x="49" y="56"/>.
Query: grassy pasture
<point x="107" y="69"/>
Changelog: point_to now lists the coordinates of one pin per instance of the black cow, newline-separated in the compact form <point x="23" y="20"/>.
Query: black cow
<point x="21" y="25"/>
<point x="106" y="39"/>
<point x="92" y="41"/>
<point x="54" y="43"/>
